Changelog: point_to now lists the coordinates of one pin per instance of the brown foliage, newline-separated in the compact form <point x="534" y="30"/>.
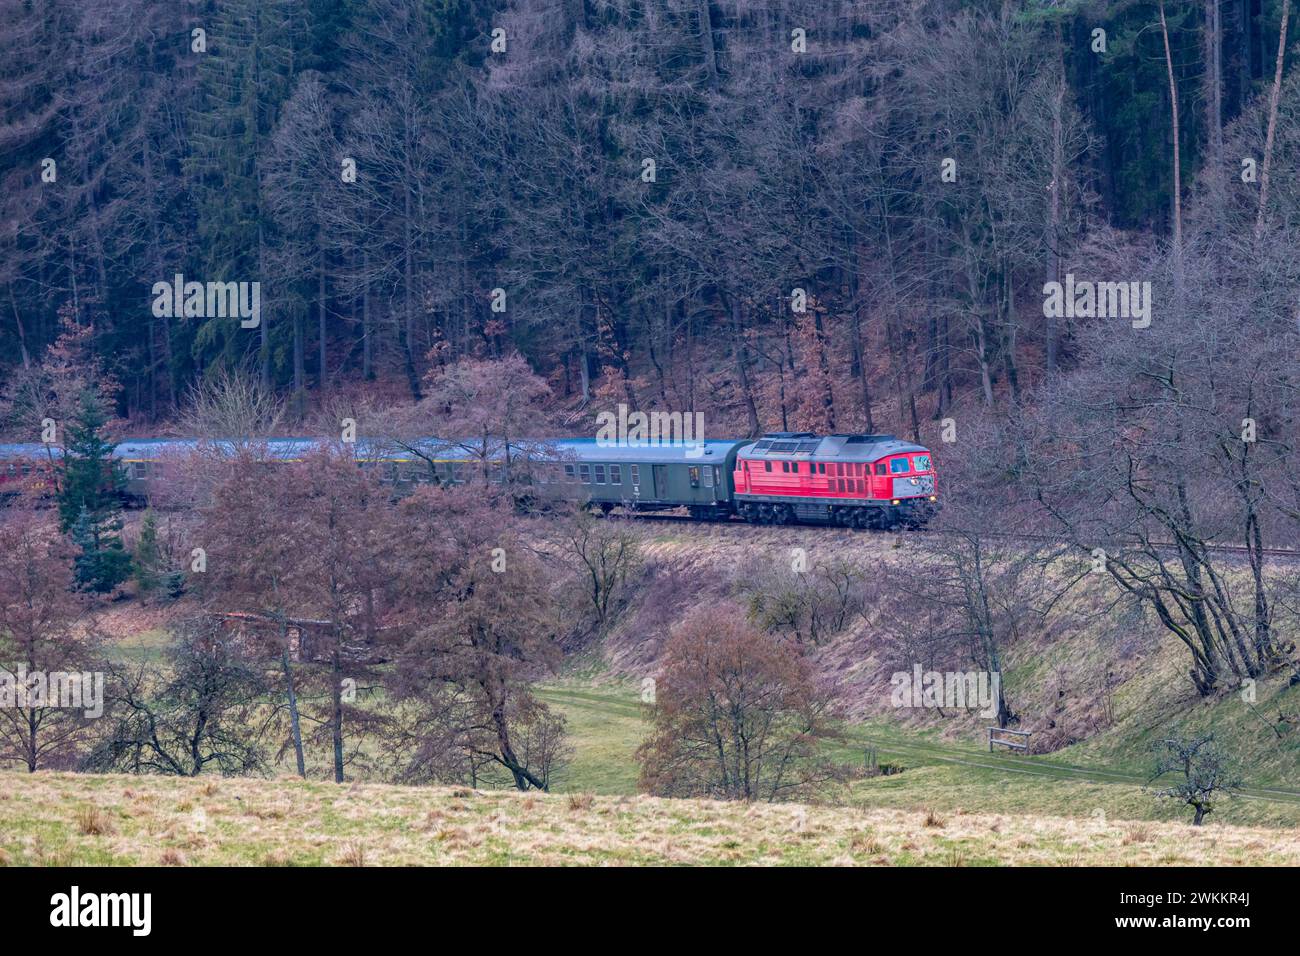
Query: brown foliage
<point x="738" y="714"/>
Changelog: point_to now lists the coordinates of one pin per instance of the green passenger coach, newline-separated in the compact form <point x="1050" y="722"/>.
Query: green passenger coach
<point x="647" y="477"/>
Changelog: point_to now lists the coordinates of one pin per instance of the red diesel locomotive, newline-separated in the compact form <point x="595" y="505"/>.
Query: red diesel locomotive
<point x="861" y="481"/>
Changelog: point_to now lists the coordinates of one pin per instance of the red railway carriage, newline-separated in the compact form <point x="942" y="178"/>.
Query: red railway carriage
<point x="863" y="481"/>
<point x="26" y="468"/>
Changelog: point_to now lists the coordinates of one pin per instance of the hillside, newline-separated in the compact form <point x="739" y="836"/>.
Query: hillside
<point x="1050" y="677"/>
<point x="1092" y="690"/>
<point x="75" y="819"/>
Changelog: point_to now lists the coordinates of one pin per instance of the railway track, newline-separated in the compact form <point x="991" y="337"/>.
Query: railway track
<point x="1282" y="553"/>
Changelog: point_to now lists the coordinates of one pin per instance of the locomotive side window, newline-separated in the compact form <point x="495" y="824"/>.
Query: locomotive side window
<point x="821" y="468"/>
<point x="767" y="466"/>
<point x="785" y="466"/>
<point x="615" y="475"/>
<point x="898" y="466"/>
<point x="880" y="467"/>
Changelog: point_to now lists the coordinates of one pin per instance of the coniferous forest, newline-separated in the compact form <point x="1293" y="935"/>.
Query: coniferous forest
<point x="632" y="195"/>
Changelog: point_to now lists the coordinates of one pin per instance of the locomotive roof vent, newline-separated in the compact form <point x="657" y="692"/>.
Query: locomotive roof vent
<point x="789" y="435"/>
<point x="867" y="439"/>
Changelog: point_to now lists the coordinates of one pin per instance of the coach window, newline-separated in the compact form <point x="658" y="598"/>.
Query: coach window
<point x="708" y="476"/>
<point x="898" y="466"/>
<point x="694" y="472"/>
<point x="584" y="473"/>
<point x="615" y="474"/>
<point x="568" y="473"/>
<point x="600" y="474"/>
<point x="636" y="474"/>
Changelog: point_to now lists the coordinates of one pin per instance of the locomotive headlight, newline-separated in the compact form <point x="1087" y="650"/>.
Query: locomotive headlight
<point x="894" y="502"/>
<point x="934" y="497"/>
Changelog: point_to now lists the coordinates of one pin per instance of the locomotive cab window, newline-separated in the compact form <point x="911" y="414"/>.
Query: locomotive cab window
<point x="899" y="466"/>
<point x="922" y="462"/>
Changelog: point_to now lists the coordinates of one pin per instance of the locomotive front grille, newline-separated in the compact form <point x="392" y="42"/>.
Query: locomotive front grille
<point x="912" y="487"/>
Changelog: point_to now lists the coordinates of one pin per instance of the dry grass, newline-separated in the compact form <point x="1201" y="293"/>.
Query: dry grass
<point x="92" y="821"/>
<point x="77" y="819"/>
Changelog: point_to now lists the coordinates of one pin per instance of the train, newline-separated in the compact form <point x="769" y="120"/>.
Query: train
<point x="849" y="480"/>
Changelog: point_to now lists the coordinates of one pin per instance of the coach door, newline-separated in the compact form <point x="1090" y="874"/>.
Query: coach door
<point x="661" y="482"/>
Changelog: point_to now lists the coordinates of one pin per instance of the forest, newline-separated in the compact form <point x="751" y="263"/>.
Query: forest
<point x="1055" y="242"/>
<point x="823" y="215"/>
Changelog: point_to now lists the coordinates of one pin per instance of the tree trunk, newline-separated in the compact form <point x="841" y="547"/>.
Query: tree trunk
<point x="1273" y="96"/>
<point x="1178" y="171"/>
<point x="295" y="724"/>
<point x="337" y="722"/>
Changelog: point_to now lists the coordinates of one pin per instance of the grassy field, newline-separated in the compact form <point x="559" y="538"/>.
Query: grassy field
<point x="607" y="722"/>
<point x="80" y="819"/>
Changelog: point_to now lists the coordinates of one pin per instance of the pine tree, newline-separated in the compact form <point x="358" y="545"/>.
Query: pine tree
<point x="148" y="560"/>
<point x="91" y="482"/>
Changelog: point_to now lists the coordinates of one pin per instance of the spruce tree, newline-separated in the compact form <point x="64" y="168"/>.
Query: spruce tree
<point x="91" y="482"/>
<point x="148" y="561"/>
